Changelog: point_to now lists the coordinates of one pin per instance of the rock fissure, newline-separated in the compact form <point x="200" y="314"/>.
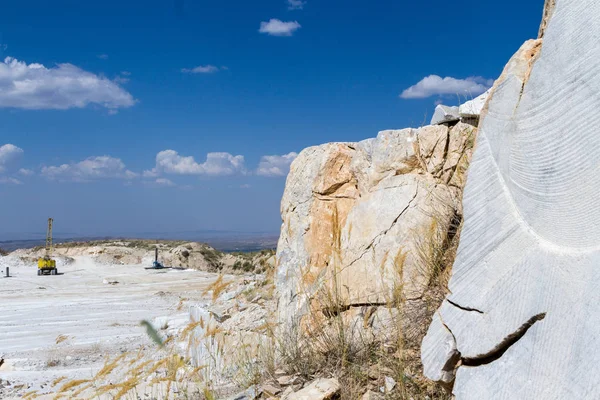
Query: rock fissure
<point x="381" y="234"/>
<point x="333" y="188"/>
<point x="503" y="346"/>
<point x="470" y="309"/>
<point x="332" y="198"/>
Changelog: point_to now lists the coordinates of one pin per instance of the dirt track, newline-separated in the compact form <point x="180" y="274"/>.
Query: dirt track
<point x="66" y="325"/>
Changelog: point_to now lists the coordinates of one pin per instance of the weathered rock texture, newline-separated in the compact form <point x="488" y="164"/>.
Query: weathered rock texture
<point x="522" y="318"/>
<point x="356" y="218"/>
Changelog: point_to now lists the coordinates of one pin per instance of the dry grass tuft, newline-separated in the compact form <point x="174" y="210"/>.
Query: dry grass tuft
<point x="61" y="338"/>
<point x="58" y="380"/>
<point x="336" y="340"/>
<point x="217" y="287"/>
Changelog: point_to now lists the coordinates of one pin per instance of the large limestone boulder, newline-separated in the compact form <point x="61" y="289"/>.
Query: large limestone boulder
<point x="521" y="321"/>
<point x="356" y="217"/>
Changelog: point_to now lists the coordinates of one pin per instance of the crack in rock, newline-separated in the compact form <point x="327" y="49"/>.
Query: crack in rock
<point x="503" y="346"/>
<point x="464" y="308"/>
<point x="381" y="234"/>
<point x="456" y="360"/>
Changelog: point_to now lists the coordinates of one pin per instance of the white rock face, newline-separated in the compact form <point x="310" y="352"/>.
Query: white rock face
<point x="444" y="114"/>
<point x="525" y="292"/>
<point x="360" y="212"/>
<point x="472" y="108"/>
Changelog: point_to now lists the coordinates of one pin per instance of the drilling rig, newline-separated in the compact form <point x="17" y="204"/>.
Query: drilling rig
<point x="46" y="264"/>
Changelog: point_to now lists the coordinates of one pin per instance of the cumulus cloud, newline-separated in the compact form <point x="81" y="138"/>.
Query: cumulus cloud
<point x="92" y="168"/>
<point x="25" y="172"/>
<point x="34" y="87"/>
<point x="202" y="69"/>
<point x="272" y="166"/>
<point x="9" y="181"/>
<point x="8" y="154"/>
<point x="164" y="182"/>
<point x="216" y="164"/>
<point x="296" y="4"/>
<point x="434" y="85"/>
<point x="277" y="27"/>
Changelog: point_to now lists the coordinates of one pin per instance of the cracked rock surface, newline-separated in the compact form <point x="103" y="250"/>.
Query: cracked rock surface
<point x="521" y="321"/>
<point x="359" y="210"/>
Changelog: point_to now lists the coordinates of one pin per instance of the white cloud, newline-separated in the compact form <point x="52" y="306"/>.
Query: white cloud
<point x="277" y="27"/>
<point x="433" y="85"/>
<point x="152" y="173"/>
<point x="102" y="56"/>
<point x="9" y="181"/>
<point x="202" y="69"/>
<point x="34" y="87"/>
<point x="164" y="182"/>
<point x="26" y="172"/>
<point x="92" y="168"/>
<point x="275" y="165"/>
<point x="216" y="164"/>
<point x="8" y="154"/>
<point x="121" y="79"/>
<point x="245" y="186"/>
<point x="296" y="4"/>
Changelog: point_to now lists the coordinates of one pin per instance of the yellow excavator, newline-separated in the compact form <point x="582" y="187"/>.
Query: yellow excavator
<point x="46" y="264"/>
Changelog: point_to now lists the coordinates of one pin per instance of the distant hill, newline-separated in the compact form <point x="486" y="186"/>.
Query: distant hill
<point x="222" y="241"/>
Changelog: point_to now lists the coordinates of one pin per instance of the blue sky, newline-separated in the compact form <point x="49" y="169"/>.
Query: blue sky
<point x="178" y="115"/>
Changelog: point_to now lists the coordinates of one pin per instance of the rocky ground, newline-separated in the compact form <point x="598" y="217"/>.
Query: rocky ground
<point x="66" y="327"/>
<point x="178" y="254"/>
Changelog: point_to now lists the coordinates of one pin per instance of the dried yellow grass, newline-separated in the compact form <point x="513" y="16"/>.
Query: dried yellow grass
<point x="58" y="380"/>
<point x="72" y="384"/>
<point x="61" y="338"/>
<point x="217" y="287"/>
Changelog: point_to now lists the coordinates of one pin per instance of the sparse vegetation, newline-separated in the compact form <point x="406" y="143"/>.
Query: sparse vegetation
<point x="333" y="339"/>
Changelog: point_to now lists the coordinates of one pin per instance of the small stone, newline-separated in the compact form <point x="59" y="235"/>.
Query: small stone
<point x="256" y="298"/>
<point x="390" y="384"/>
<point x="321" y="389"/>
<point x="270" y="390"/>
<point x="286" y="393"/>
<point x="370" y="395"/>
<point x="287" y="380"/>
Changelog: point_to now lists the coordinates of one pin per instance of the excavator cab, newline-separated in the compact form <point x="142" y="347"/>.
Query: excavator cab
<point x="46" y="264"/>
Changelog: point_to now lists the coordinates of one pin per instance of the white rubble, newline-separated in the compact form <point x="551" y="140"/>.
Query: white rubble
<point x="525" y="292"/>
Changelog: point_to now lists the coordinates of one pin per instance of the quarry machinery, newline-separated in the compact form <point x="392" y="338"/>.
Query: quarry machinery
<point x="46" y="264"/>
<point x="156" y="264"/>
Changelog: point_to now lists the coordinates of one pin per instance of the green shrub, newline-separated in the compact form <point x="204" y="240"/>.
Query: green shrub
<point x="247" y="266"/>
